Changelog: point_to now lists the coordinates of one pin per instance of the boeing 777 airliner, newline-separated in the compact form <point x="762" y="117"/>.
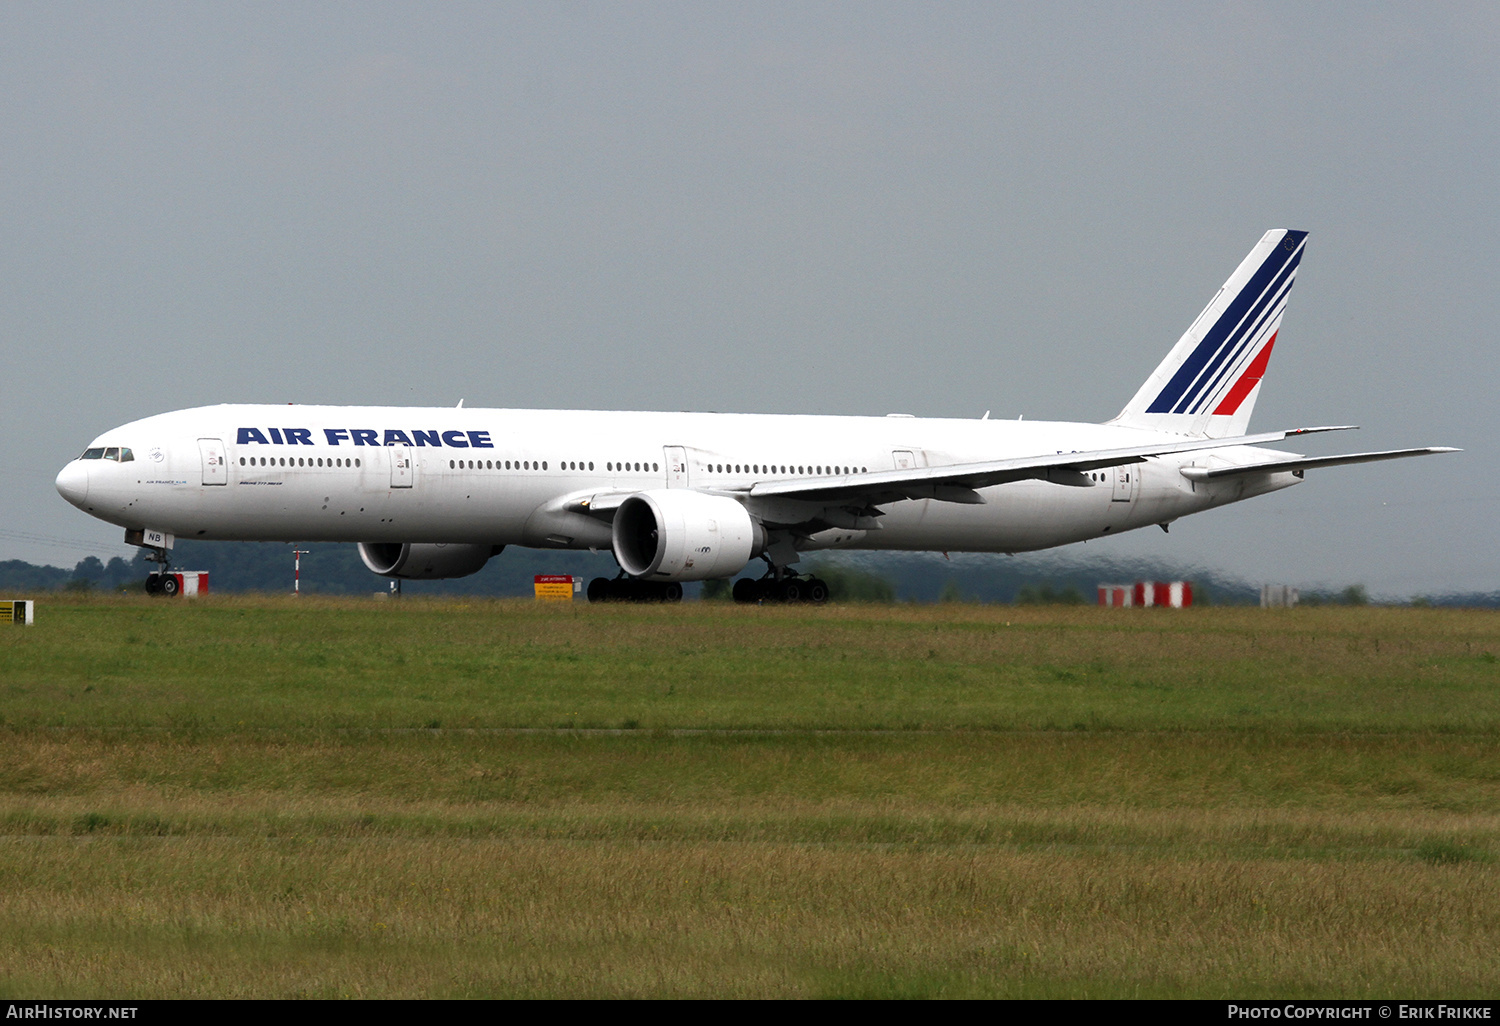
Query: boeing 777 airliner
<point x="431" y="493"/>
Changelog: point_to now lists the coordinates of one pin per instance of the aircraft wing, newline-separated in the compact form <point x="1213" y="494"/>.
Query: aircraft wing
<point x="957" y="482"/>
<point x="1307" y="463"/>
<point x="852" y="500"/>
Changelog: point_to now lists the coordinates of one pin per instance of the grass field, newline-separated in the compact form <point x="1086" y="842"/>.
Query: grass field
<point x="257" y="796"/>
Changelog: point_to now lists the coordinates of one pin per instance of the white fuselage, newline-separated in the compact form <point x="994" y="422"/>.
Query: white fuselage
<point x="506" y="477"/>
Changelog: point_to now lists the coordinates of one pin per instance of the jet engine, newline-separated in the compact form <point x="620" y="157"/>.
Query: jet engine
<point x="426" y="562"/>
<point x="681" y="535"/>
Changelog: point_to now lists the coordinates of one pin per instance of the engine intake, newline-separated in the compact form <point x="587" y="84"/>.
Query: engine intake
<point x="425" y="562"/>
<point x="681" y="535"/>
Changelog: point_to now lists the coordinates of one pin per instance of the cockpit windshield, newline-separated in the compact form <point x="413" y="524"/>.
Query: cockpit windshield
<point x="117" y="453"/>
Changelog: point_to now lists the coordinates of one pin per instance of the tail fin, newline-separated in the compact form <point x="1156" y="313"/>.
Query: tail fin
<point x="1208" y="384"/>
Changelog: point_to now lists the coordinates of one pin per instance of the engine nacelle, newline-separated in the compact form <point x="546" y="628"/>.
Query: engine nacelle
<point x="425" y="562"/>
<point x="681" y="535"/>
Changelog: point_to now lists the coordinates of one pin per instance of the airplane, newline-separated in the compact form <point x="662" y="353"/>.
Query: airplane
<point x="431" y="493"/>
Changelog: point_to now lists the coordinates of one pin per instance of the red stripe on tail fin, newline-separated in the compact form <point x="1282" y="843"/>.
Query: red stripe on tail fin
<point x="1247" y="382"/>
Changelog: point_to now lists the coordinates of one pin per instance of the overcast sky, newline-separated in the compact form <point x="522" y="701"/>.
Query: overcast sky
<point x="938" y="209"/>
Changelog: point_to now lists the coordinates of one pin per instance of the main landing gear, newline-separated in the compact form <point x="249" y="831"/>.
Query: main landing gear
<point x="628" y="589"/>
<point x="747" y="590"/>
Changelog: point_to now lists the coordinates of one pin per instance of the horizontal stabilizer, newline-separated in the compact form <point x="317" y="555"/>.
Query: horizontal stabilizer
<point x="1308" y="463"/>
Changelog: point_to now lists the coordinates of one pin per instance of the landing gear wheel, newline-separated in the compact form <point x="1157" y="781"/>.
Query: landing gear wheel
<point x="791" y="590"/>
<point x="169" y="586"/>
<point x="816" y="591"/>
<point x="627" y="589"/>
<point x="153" y="585"/>
<point x="746" y="591"/>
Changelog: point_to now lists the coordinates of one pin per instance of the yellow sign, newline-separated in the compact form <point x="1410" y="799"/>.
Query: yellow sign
<point x="554" y="587"/>
<point x="17" y="612"/>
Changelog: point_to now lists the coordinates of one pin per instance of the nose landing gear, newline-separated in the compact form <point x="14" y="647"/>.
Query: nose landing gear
<point x="157" y="581"/>
<point x="163" y="583"/>
<point x="170" y="583"/>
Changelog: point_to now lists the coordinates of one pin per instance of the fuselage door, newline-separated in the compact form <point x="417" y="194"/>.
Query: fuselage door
<point x="677" y="466"/>
<point x="215" y="466"/>
<point x="402" y="471"/>
<point x="1125" y="482"/>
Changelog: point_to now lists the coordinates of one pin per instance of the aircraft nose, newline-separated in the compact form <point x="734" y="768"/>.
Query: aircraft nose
<point x="73" y="483"/>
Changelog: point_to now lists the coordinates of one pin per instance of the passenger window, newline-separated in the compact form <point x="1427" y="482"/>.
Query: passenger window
<point x="242" y="461"/>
